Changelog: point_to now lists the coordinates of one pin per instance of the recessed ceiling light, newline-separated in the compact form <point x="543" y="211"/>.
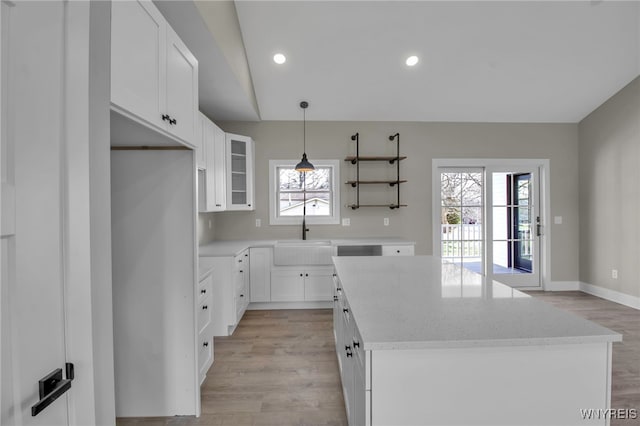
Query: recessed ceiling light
<point x="411" y="61"/>
<point x="279" y="58"/>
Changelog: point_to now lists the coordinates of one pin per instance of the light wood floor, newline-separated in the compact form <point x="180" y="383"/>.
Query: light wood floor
<point x="280" y="368"/>
<point x="625" y="382"/>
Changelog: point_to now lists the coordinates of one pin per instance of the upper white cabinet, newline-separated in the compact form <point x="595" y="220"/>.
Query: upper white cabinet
<point x="212" y="183"/>
<point x="154" y="77"/>
<point x="240" y="172"/>
<point x="201" y="161"/>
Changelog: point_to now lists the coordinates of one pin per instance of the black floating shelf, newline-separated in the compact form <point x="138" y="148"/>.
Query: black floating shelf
<point x="391" y="206"/>
<point x="391" y="160"/>
<point x="354" y="183"/>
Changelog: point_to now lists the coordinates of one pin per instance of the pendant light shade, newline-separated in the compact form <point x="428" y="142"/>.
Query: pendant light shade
<point x="304" y="165"/>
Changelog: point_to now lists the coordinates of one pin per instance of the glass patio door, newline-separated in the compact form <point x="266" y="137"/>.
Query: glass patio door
<point x="489" y="221"/>
<point x="512" y="224"/>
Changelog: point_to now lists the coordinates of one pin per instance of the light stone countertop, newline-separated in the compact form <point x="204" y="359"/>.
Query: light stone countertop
<point x="415" y="302"/>
<point x="234" y="247"/>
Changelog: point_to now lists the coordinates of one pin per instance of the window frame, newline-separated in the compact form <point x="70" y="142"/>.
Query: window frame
<point x="276" y="219"/>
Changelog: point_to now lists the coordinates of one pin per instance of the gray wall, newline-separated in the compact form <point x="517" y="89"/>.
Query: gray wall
<point x="609" y="192"/>
<point x="421" y="142"/>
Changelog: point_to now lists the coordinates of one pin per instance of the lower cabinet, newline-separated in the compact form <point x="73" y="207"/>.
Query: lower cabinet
<point x="260" y="273"/>
<point x="352" y="360"/>
<point x="231" y="292"/>
<point x="205" y="332"/>
<point x="295" y="284"/>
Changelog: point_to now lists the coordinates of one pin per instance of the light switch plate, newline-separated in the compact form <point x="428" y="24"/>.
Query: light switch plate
<point x="346" y="222"/>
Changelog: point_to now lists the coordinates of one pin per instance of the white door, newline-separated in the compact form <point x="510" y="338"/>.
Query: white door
<point x="513" y="225"/>
<point x="32" y="281"/>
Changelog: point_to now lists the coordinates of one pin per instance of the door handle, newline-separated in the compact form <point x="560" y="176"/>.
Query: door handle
<point x="51" y="387"/>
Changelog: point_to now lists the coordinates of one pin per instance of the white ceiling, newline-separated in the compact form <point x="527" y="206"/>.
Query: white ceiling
<point x="480" y="61"/>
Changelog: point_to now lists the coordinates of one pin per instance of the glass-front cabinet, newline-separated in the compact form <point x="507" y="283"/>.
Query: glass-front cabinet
<point x="240" y="177"/>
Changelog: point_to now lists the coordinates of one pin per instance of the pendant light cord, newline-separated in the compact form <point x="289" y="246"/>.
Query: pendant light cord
<point x="304" y="130"/>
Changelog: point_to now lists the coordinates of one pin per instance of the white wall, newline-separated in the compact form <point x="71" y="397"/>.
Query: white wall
<point x="609" y="147"/>
<point x="421" y="142"/>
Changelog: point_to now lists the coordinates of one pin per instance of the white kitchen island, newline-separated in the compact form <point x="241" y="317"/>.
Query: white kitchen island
<point x="425" y="343"/>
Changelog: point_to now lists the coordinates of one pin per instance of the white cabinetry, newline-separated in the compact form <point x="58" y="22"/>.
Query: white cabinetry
<point x="397" y="250"/>
<point x="201" y="162"/>
<point x="296" y="284"/>
<point x="212" y="191"/>
<point x="260" y="275"/>
<point x="352" y="360"/>
<point x="154" y="76"/>
<point x="240" y="172"/>
<point x="205" y="335"/>
<point x="230" y="290"/>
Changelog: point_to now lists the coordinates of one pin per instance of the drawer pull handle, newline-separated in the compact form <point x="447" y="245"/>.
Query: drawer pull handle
<point x="345" y="310"/>
<point x="335" y="298"/>
<point x="242" y="295"/>
<point x="241" y="270"/>
<point x="173" y="121"/>
<point x="356" y="344"/>
<point x="165" y="117"/>
<point x="203" y="291"/>
<point x="306" y="275"/>
<point x="348" y="350"/>
<point x="205" y="344"/>
<point x="300" y="274"/>
<point x="205" y="307"/>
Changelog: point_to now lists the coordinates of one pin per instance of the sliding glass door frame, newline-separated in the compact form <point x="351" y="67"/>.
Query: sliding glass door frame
<point x="541" y="166"/>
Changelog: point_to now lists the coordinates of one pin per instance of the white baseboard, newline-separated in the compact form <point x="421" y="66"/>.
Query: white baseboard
<point x="562" y="286"/>
<point x="612" y="295"/>
<point x="256" y="306"/>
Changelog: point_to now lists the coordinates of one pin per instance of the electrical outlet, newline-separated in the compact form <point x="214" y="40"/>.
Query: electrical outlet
<point x="258" y="223"/>
<point x="346" y="222"/>
<point x="386" y="221"/>
<point x="614" y="274"/>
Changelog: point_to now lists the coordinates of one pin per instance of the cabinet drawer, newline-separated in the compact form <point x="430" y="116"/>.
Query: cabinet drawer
<point x="204" y="314"/>
<point x="241" y="261"/>
<point x="205" y="288"/>
<point x="405" y="250"/>
<point x="205" y="355"/>
<point x="358" y="351"/>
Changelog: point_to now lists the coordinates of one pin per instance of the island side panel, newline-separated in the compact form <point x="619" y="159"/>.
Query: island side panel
<point x="513" y="385"/>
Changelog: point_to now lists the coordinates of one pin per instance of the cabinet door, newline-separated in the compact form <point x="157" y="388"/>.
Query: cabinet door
<point x="318" y="285"/>
<point x="287" y="285"/>
<point x="218" y="176"/>
<point x="239" y="151"/>
<point x="260" y="275"/>
<point x="358" y="410"/>
<point x="200" y="142"/>
<point x="181" y="88"/>
<point x="138" y="55"/>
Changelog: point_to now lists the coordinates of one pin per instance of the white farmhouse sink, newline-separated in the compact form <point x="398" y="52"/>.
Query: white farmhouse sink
<point x="302" y="252"/>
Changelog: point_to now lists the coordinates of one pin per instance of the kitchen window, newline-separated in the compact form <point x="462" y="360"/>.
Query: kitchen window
<point x="314" y="194"/>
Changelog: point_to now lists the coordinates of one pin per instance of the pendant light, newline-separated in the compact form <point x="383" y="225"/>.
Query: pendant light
<point x="304" y="165"/>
